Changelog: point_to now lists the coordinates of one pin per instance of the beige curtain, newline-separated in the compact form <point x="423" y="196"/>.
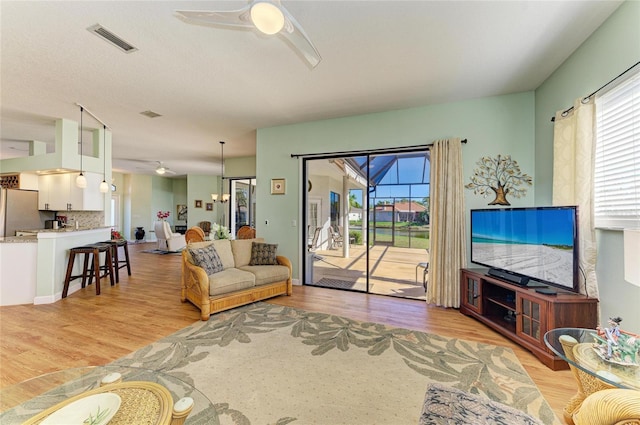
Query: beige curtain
<point x="573" y="167"/>
<point x="448" y="243"/>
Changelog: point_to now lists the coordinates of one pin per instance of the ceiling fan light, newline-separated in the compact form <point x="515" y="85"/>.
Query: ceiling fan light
<point x="161" y="170"/>
<point x="267" y="17"/>
<point x="81" y="181"/>
<point x="104" y="187"/>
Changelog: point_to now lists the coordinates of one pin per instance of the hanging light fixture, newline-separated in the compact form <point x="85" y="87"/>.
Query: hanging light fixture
<point x="81" y="180"/>
<point x="222" y="196"/>
<point x="104" y="187"/>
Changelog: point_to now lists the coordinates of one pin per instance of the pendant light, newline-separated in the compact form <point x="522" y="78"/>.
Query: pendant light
<point x="81" y="180"/>
<point x="104" y="187"/>
<point x="223" y="197"/>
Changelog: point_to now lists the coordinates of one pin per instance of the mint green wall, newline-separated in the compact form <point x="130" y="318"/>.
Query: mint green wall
<point x="240" y="167"/>
<point x="138" y="201"/>
<point x="162" y="199"/>
<point x="495" y="125"/>
<point x="614" y="47"/>
<point x="200" y="187"/>
<point x="179" y="198"/>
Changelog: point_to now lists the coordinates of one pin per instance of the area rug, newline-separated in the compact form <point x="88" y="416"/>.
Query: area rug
<point x="326" y="282"/>
<point x="269" y="364"/>
<point x="159" y="251"/>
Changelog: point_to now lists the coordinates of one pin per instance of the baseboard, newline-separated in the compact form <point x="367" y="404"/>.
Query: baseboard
<point x="50" y="299"/>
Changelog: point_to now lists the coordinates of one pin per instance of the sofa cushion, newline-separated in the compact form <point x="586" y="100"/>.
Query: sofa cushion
<point x="263" y="254"/>
<point x="230" y="280"/>
<point x="267" y="274"/>
<point x="241" y="249"/>
<point x="223" y="248"/>
<point x="206" y="257"/>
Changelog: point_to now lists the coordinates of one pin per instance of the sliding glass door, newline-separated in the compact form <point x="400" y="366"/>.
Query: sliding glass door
<point x="367" y="222"/>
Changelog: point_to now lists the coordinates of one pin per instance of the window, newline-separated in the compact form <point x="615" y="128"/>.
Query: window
<point x="617" y="157"/>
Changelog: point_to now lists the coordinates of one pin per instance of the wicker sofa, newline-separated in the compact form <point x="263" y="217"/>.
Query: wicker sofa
<point x="238" y="282"/>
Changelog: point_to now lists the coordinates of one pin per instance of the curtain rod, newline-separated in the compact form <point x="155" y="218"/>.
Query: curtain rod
<point x="566" y="111"/>
<point x="365" y="152"/>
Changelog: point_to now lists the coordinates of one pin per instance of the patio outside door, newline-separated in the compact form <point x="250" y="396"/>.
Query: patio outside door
<point x="367" y="223"/>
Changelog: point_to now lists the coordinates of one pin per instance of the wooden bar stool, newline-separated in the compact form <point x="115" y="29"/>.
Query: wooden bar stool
<point x="117" y="262"/>
<point x="89" y="250"/>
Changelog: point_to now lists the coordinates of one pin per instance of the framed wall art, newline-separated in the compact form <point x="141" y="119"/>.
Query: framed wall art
<point x="198" y="203"/>
<point x="209" y="206"/>
<point x="277" y="186"/>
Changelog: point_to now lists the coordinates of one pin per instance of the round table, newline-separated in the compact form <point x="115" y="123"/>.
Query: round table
<point x="592" y="372"/>
<point x="22" y="402"/>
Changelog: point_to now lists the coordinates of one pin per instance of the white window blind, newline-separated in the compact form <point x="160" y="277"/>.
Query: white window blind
<point x="617" y="157"/>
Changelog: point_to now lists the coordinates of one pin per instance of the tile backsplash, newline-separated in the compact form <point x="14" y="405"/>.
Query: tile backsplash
<point x="85" y="218"/>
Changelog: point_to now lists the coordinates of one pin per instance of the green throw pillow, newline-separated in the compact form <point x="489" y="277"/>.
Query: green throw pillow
<point x="207" y="258"/>
<point x="263" y="254"/>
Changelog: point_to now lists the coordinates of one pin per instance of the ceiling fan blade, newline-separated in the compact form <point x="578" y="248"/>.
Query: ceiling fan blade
<point x="229" y="18"/>
<point x="295" y="35"/>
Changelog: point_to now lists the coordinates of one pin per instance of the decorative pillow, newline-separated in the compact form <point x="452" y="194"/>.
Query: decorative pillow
<point x="207" y="258"/>
<point x="263" y="254"/>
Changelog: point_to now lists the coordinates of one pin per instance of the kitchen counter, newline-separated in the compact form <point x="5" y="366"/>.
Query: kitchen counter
<point x="19" y="239"/>
<point x="42" y="261"/>
<point x="33" y="234"/>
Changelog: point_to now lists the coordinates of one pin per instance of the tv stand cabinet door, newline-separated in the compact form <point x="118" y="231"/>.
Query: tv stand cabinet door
<point x="471" y="291"/>
<point x="531" y="322"/>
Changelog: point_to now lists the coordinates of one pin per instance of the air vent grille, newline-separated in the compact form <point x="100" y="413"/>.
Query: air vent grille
<point x="105" y="34"/>
<point x="150" y="114"/>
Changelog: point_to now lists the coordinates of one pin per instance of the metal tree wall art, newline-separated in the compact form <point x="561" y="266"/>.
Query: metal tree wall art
<point x="502" y="175"/>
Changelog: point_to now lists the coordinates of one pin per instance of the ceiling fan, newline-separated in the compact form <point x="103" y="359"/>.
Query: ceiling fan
<point x="267" y="16"/>
<point x="163" y="169"/>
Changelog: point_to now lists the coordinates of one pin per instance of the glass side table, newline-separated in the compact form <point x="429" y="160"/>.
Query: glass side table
<point x="592" y="372"/>
<point x="20" y="402"/>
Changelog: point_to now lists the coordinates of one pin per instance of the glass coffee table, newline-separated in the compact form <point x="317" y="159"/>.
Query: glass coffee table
<point x="592" y="371"/>
<point x="163" y="396"/>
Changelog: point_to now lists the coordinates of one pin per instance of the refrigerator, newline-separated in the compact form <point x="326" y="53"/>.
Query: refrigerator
<point x="19" y="211"/>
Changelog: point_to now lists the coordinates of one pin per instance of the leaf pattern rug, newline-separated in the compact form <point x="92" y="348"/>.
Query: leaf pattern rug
<point x="269" y="364"/>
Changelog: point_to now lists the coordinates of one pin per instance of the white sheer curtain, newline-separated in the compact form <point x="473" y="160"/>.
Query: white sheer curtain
<point x="573" y="167"/>
<point x="447" y="239"/>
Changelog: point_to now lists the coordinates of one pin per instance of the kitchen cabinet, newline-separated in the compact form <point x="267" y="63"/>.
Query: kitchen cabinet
<point x="58" y="192"/>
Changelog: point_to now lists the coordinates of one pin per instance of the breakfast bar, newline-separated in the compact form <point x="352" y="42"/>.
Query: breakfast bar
<point x="33" y="267"/>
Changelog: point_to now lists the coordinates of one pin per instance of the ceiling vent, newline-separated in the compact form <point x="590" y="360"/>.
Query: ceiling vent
<point x="150" y="114"/>
<point x="105" y="34"/>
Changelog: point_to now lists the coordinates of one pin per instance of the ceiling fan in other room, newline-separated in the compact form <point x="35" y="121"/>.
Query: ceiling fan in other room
<point x="163" y="169"/>
<point x="267" y="16"/>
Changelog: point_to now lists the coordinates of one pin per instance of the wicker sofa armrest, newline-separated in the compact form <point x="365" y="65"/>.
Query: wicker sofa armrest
<point x="195" y="279"/>
<point x="284" y="261"/>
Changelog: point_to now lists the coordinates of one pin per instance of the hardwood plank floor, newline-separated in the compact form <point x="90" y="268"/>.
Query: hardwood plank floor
<point x="85" y="329"/>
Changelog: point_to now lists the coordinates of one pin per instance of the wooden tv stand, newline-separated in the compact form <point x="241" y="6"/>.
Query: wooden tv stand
<point x="522" y="314"/>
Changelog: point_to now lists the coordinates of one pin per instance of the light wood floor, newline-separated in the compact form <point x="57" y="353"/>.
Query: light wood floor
<point x="85" y="329"/>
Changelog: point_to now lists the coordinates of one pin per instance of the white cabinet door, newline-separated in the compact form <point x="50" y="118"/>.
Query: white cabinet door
<point x="43" y="192"/>
<point x="58" y="192"/>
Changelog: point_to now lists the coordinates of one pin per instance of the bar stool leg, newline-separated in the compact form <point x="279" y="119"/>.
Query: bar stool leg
<point x="108" y="260"/>
<point x="96" y="268"/>
<point x="67" y="278"/>
<point x="126" y="256"/>
<point x="116" y="261"/>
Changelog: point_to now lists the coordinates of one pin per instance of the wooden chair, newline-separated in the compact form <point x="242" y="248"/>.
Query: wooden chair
<point x="246" y="232"/>
<point x="205" y="226"/>
<point x="194" y="234"/>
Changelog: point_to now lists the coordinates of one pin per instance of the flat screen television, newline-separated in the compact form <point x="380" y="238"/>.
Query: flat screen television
<point x="537" y="245"/>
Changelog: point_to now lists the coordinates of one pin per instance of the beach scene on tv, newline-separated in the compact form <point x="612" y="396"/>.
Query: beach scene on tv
<point x="534" y="242"/>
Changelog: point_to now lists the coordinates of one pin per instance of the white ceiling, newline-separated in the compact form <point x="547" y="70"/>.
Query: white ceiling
<point x="212" y="84"/>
